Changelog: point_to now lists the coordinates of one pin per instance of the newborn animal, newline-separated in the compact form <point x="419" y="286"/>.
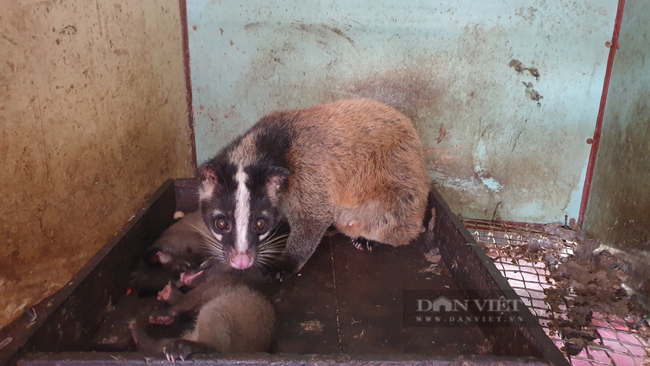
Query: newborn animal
<point x="232" y="317"/>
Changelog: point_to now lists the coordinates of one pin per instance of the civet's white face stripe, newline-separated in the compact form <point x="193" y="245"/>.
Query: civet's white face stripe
<point x="242" y="211"/>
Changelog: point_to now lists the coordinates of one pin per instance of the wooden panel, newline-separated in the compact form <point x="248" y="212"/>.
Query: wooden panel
<point x="93" y="118"/>
<point x="68" y="319"/>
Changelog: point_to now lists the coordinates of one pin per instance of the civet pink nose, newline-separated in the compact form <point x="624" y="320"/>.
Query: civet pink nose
<point x="241" y="261"/>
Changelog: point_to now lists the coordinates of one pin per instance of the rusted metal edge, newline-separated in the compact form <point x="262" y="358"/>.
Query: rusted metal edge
<point x="480" y="273"/>
<point x="503" y="226"/>
<point x="189" y="183"/>
<point x="24" y="327"/>
<point x="524" y="224"/>
<point x="136" y="358"/>
<point x="188" y="79"/>
<point x="591" y="165"/>
<point x="88" y="273"/>
<point x="182" y="186"/>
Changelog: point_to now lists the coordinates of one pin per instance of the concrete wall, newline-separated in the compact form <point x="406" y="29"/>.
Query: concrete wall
<point x="515" y="146"/>
<point x="618" y="212"/>
<point x="92" y="118"/>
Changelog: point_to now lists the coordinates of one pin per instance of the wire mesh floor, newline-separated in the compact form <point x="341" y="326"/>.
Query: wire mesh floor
<point x="527" y="273"/>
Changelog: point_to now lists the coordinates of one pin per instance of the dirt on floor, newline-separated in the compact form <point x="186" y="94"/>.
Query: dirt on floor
<point x="585" y="277"/>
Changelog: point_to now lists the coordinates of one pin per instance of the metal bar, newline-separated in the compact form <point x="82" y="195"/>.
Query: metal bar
<point x="601" y="113"/>
<point x="188" y="79"/>
<point x="475" y="270"/>
<point x="136" y="358"/>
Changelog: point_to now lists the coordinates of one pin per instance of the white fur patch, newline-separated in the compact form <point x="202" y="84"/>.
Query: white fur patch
<point x="205" y="192"/>
<point x="263" y="236"/>
<point x="217" y="213"/>
<point x="242" y="211"/>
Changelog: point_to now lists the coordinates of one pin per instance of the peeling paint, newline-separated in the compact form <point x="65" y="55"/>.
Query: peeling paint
<point x="487" y="180"/>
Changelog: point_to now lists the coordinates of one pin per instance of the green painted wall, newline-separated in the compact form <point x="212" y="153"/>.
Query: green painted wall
<point x="446" y="64"/>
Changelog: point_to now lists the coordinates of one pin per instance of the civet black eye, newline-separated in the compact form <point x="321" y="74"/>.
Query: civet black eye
<point x="222" y="224"/>
<point x="259" y="225"/>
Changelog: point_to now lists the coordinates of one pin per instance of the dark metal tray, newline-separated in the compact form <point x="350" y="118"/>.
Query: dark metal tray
<point x="345" y="307"/>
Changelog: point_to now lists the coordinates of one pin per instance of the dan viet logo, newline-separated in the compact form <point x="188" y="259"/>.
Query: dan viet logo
<point x="454" y="308"/>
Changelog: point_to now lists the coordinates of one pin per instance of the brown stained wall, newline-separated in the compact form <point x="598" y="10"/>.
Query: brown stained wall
<point x="92" y="119"/>
<point x="618" y="212"/>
